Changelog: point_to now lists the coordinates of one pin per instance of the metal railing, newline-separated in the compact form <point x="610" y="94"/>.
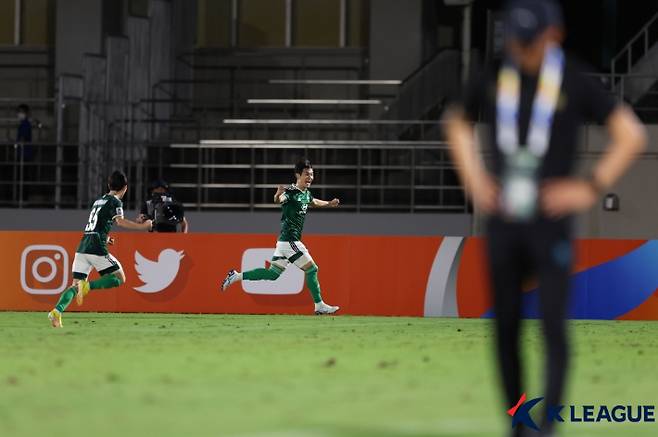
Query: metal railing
<point x="43" y="117"/>
<point x="333" y="129"/>
<point x="365" y="175"/>
<point x="635" y="49"/>
<point x="629" y="87"/>
<point x="38" y="174"/>
<point x="425" y="90"/>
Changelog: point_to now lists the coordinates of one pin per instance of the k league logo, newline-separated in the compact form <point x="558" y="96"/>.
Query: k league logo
<point x="580" y="413"/>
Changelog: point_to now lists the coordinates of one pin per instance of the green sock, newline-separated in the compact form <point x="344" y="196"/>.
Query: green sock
<point x="65" y="299"/>
<point x="107" y="281"/>
<point x="313" y="283"/>
<point x="270" y="274"/>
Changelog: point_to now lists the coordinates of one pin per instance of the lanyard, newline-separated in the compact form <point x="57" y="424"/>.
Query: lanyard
<point x="543" y="107"/>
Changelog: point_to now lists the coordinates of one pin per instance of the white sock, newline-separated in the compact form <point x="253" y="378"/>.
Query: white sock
<point x="238" y="276"/>
<point x="317" y="305"/>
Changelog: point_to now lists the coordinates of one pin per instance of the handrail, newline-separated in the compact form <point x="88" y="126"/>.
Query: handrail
<point x="622" y="86"/>
<point x="28" y="99"/>
<point x="317" y="121"/>
<point x="426" y="87"/>
<point x="314" y="102"/>
<point x="627" y="50"/>
<point x="422" y="66"/>
<point x="312" y="142"/>
<point x="39" y="144"/>
<point x="333" y="82"/>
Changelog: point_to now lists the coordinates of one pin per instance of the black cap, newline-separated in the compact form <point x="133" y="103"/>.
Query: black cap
<point x="525" y="20"/>
<point x="159" y="183"/>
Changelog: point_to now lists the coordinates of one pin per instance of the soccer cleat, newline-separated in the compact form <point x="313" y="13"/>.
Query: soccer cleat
<point x="322" y="308"/>
<point x="83" y="290"/>
<point x="231" y="278"/>
<point x="55" y="318"/>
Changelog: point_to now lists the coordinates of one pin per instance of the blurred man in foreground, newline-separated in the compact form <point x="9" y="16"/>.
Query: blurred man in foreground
<point x="534" y="105"/>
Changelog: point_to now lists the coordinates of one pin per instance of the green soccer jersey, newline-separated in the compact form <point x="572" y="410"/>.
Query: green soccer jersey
<point x="293" y="213"/>
<point x="101" y="218"/>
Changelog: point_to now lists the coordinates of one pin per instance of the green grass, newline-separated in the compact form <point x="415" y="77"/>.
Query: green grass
<point x="215" y="375"/>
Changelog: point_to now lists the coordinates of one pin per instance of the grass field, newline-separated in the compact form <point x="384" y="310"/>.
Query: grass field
<point x="215" y="375"/>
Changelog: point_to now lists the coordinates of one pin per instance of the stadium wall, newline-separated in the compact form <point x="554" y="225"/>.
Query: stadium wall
<point x="365" y="275"/>
<point x="638" y="214"/>
<point x="325" y="222"/>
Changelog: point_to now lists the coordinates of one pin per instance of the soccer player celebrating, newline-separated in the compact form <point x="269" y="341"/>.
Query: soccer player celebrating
<point x="294" y="201"/>
<point x="92" y="251"/>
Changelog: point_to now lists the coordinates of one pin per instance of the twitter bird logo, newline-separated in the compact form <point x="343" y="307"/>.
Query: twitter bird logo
<point x="157" y="275"/>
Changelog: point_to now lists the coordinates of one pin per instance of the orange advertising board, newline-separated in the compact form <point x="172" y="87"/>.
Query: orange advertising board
<point x="183" y="273"/>
<point x="364" y="275"/>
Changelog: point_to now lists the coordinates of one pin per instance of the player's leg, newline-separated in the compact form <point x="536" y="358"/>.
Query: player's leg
<point x="302" y="259"/>
<point x="111" y="272"/>
<point x="277" y="266"/>
<point x="55" y="315"/>
<point x="81" y="269"/>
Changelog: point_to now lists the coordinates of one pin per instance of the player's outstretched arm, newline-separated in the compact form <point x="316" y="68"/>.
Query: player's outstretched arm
<point x="129" y="224"/>
<point x="326" y="203"/>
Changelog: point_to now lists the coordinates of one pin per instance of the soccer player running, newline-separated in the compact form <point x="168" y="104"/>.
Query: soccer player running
<point x="294" y="201"/>
<point x="92" y="251"/>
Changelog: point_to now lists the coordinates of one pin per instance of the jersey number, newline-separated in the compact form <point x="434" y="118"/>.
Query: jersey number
<point x="93" y="219"/>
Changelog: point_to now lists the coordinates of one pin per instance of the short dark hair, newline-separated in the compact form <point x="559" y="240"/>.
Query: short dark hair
<point x="23" y="108"/>
<point x="159" y="183"/>
<point x="301" y="165"/>
<point x="117" y="181"/>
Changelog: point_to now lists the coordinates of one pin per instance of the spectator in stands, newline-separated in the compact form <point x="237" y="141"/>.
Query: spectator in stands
<point x="25" y="151"/>
<point x="167" y="214"/>
<point x="533" y="106"/>
<point x="24" y="131"/>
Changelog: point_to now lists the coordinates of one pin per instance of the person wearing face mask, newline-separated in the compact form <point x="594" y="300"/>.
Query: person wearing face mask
<point x="25" y="151"/>
<point x="24" y="130"/>
<point x="532" y="106"/>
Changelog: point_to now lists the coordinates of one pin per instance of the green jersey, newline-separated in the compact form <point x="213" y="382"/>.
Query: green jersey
<point x="293" y="208"/>
<point x="101" y="218"/>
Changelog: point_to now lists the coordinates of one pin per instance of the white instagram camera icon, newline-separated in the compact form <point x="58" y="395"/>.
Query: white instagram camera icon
<point x="57" y="256"/>
<point x="291" y="280"/>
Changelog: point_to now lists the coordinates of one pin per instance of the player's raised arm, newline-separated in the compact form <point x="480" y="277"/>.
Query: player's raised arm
<point x="279" y="196"/>
<point x="317" y="203"/>
<point x="129" y="224"/>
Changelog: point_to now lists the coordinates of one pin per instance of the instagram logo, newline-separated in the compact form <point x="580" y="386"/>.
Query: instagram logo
<point x="44" y="269"/>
